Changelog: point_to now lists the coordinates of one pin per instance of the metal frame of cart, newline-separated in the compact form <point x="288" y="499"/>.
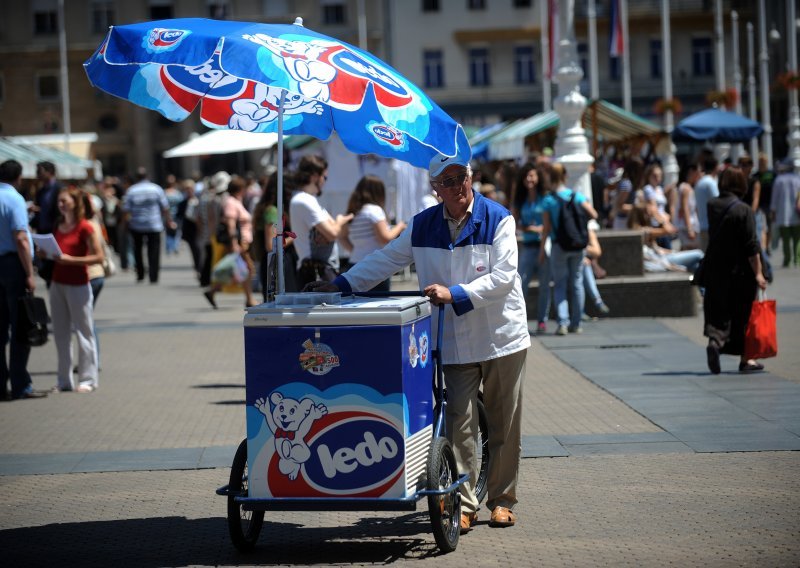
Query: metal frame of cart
<point x="245" y="514"/>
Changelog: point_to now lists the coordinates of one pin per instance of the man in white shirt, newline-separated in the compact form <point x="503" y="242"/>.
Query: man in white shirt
<point x="316" y="230"/>
<point x="465" y="252"/>
<point x="704" y="191"/>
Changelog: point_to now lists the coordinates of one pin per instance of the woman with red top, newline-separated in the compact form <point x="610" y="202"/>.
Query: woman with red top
<point x="71" y="294"/>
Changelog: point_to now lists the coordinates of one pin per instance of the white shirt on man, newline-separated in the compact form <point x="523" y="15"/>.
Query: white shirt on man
<point x="306" y="213"/>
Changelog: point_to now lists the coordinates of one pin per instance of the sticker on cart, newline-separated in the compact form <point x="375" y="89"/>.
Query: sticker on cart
<point x="318" y="358"/>
<point x="424" y="349"/>
<point x="413" y="350"/>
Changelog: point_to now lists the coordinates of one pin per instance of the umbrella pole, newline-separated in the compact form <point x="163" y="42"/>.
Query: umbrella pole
<point x="280" y="238"/>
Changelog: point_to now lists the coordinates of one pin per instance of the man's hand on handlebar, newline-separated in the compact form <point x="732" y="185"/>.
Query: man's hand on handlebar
<point x="320" y="286"/>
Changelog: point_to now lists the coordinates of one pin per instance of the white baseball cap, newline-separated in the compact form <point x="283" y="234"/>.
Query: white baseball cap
<point x="440" y="162"/>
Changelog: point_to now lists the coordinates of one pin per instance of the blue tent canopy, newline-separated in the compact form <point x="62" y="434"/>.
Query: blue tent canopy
<point x="714" y="125"/>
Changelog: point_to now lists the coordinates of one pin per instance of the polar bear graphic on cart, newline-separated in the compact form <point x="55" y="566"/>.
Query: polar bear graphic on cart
<point x="290" y="421"/>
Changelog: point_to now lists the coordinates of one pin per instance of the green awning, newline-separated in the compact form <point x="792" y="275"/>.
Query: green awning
<point x="68" y="166"/>
<point x="604" y="123"/>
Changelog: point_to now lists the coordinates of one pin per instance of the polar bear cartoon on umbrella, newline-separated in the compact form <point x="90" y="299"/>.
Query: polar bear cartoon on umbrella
<point x="263" y="107"/>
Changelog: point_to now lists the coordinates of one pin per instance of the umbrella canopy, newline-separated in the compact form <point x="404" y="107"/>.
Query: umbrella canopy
<point x="243" y="75"/>
<point x="274" y="78"/>
<point x="714" y="125"/>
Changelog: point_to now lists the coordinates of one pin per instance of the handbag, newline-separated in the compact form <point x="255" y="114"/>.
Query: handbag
<point x="699" y="276"/>
<point x="761" y="335"/>
<point x="109" y="267"/>
<point x="32" y="320"/>
<point x="223" y="236"/>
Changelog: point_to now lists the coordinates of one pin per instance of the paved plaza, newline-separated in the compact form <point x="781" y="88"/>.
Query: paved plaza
<point x="634" y="454"/>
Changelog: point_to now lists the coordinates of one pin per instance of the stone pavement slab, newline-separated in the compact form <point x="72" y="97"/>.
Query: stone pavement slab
<point x="650" y="510"/>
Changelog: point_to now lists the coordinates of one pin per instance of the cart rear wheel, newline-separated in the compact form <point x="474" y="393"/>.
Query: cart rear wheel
<point x="244" y="526"/>
<point x="482" y="451"/>
<point x="445" y="510"/>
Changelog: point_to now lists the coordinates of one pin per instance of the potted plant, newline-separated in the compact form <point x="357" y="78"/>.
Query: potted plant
<point x="663" y="105"/>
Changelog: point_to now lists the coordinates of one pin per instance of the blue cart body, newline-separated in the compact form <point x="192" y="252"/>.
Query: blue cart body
<point x="339" y="399"/>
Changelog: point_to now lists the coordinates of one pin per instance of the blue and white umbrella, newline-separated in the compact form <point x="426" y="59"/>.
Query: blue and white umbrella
<point x="274" y="78"/>
<point x="715" y="125"/>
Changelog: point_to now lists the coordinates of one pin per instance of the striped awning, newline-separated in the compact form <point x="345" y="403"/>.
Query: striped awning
<point x="509" y="143"/>
<point x="604" y="123"/>
<point x="615" y="124"/>
<point x="68" y="166"/>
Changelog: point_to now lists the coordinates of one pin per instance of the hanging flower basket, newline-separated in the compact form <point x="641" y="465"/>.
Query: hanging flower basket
<point x="662" y="105"/>
<point x="728" y="97"/>
<point x="789" y="80"/>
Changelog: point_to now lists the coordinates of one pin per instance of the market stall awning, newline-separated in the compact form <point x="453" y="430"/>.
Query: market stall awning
<point x="604" y="123"/>
<point x="223" y="142"/>
<point x="615" y="124"/>
<point x="68" y="166"/>
<point x="78" y="144"/>
<point x="509" y="143"/>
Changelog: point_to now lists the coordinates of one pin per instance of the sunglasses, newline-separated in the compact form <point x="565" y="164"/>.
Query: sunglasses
<point x="453" y="181"/>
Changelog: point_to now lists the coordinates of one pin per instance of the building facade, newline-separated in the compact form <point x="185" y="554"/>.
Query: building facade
<point x="481" y="60"/>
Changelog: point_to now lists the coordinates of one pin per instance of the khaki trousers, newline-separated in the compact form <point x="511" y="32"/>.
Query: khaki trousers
<point x="502" y="380"/>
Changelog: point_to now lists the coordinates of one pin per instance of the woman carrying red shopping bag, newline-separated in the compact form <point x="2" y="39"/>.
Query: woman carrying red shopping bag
<point x="733" y="275"/>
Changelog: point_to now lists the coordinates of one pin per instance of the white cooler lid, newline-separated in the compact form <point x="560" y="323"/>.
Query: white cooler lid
<point x="353" y="310"/>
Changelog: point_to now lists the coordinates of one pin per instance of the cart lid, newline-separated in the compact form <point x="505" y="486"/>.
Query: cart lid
<point x="352" y="310"/>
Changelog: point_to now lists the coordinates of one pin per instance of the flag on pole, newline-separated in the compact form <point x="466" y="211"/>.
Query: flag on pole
<point x="615" y="38"/>
<point x="553" y="36"/>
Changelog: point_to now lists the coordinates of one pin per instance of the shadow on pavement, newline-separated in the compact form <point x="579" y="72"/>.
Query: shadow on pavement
<point x="178" y="541"/>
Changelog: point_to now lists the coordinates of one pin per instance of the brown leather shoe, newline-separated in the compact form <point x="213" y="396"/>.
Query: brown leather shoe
<point x="467" y="521"/>
<point x="502" y="517"/>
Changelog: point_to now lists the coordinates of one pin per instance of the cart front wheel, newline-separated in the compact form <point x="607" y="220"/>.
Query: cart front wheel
<point x="445" y="510"/>
<point x="244" y="526"/>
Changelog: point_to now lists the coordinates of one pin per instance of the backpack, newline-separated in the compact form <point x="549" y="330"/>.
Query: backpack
<point x="572" y="232"/>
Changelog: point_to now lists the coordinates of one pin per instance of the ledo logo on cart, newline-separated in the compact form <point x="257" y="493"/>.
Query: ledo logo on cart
<point x="355" y="453"/>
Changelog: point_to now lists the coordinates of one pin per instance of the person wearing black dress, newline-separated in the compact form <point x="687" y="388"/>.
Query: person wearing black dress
<point x="733" y="273"/>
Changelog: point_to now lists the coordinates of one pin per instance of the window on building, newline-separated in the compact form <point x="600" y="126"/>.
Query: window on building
<point x="479" y="67"/>
<point x="656" y="65"/>
<point x="334" y="13"/>
<point x="614" y="67"/>
<point x="433" y="67"/>
<point x="521" y="3"/>
<point x="583" y="58"/>
<point x="702" y="57"/>
<point x="161" y="10"/>
<point x="275" y="8"/>
<point x="523" y="65"/>
<point x="476" y="4"/>
<point x="430" y="5"/>
<point x="103" y="16"/>
<point x="47" y="87"/>
<point x="45" y="17"/>
<point x="218" y="10"/>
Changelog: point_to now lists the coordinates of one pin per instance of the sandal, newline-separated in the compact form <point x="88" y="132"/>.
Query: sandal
<point x="467" y="521"/>
<point x="502" y="517"/>
<point x="85" y="389"/>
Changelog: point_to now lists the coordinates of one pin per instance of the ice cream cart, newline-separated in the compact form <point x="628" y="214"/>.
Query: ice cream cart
<point x="341" y="413"/>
